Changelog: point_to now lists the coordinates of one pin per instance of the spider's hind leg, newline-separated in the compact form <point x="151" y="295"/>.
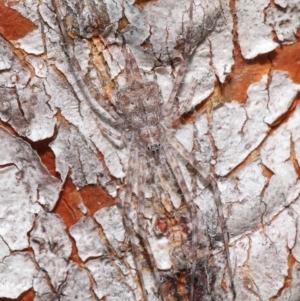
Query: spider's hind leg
<point x="173" y="161"/>
<point x="132" y="163"/>
<point x="212" y="181"/>
<point x="141" y="222"/>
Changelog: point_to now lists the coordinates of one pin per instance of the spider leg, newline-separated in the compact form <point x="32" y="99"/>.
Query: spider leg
<point x="131" y="69"/>
<point x="140" y="218"/>
<point x="173" y="161"/>
<point x="80" y="77"/>
<point x="107" y="132"/>
<point x="153" y="175"/>
<point x="214" y="21"/>
<point x="183" y="107"/>
<point x="169" y="105"/>
<point x="212" y="181"/>
<point x="127" y="221"/>
<point x="163" y="174"/>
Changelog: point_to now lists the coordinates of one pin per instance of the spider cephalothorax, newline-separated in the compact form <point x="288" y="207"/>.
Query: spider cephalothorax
<point x="140" y="105"/>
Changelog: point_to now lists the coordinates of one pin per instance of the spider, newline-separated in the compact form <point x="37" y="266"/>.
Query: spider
<point x="145" y="126"/>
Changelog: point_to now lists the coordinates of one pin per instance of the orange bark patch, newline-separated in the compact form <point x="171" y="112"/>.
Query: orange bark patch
<point x="67" y="209"/>
<point x="12" y="25"/>
<point x="26" y="296"/>
<point x="95" y="198"/>
<point x="161" y="225"/>
<point x="244" y="74"/>
<point x="46" y="155"/>
<point x="143" y="3"/>
<point x="287" y="58"/>
<point x="67" y="206"/>
<point x="123" y="22"/>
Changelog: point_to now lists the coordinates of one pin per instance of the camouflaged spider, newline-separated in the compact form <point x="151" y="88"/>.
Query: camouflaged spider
<point x="145" y="124"/>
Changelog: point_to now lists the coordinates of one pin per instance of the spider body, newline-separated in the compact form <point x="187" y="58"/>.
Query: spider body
<point x="144" y="122"/>
<point x="140" y="105"/>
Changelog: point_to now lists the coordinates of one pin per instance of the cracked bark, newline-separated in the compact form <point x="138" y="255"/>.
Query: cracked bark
<point x="59" y="175"/>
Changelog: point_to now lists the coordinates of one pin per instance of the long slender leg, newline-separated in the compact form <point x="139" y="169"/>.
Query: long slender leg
<point x="183" y="107"/>
<point x="169" y="105"/>
<point x="127" y="221"/>
<point x="140" y="219"/>
<point x="211" y="179"/>
<point x="107" y="132"/>
<point x="173" y="161"/>
<point x="127" y="70"/>
<point x="131" y="69"/>
<point x="164" y="175"/>
<point x="76" y="69"/>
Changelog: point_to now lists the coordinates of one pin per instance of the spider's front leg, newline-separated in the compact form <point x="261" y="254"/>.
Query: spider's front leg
<point x="182" y="108"/>
<point x="87" y="90"/>
<point x="170" y="104"/>
<point x="131" y="69"/>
